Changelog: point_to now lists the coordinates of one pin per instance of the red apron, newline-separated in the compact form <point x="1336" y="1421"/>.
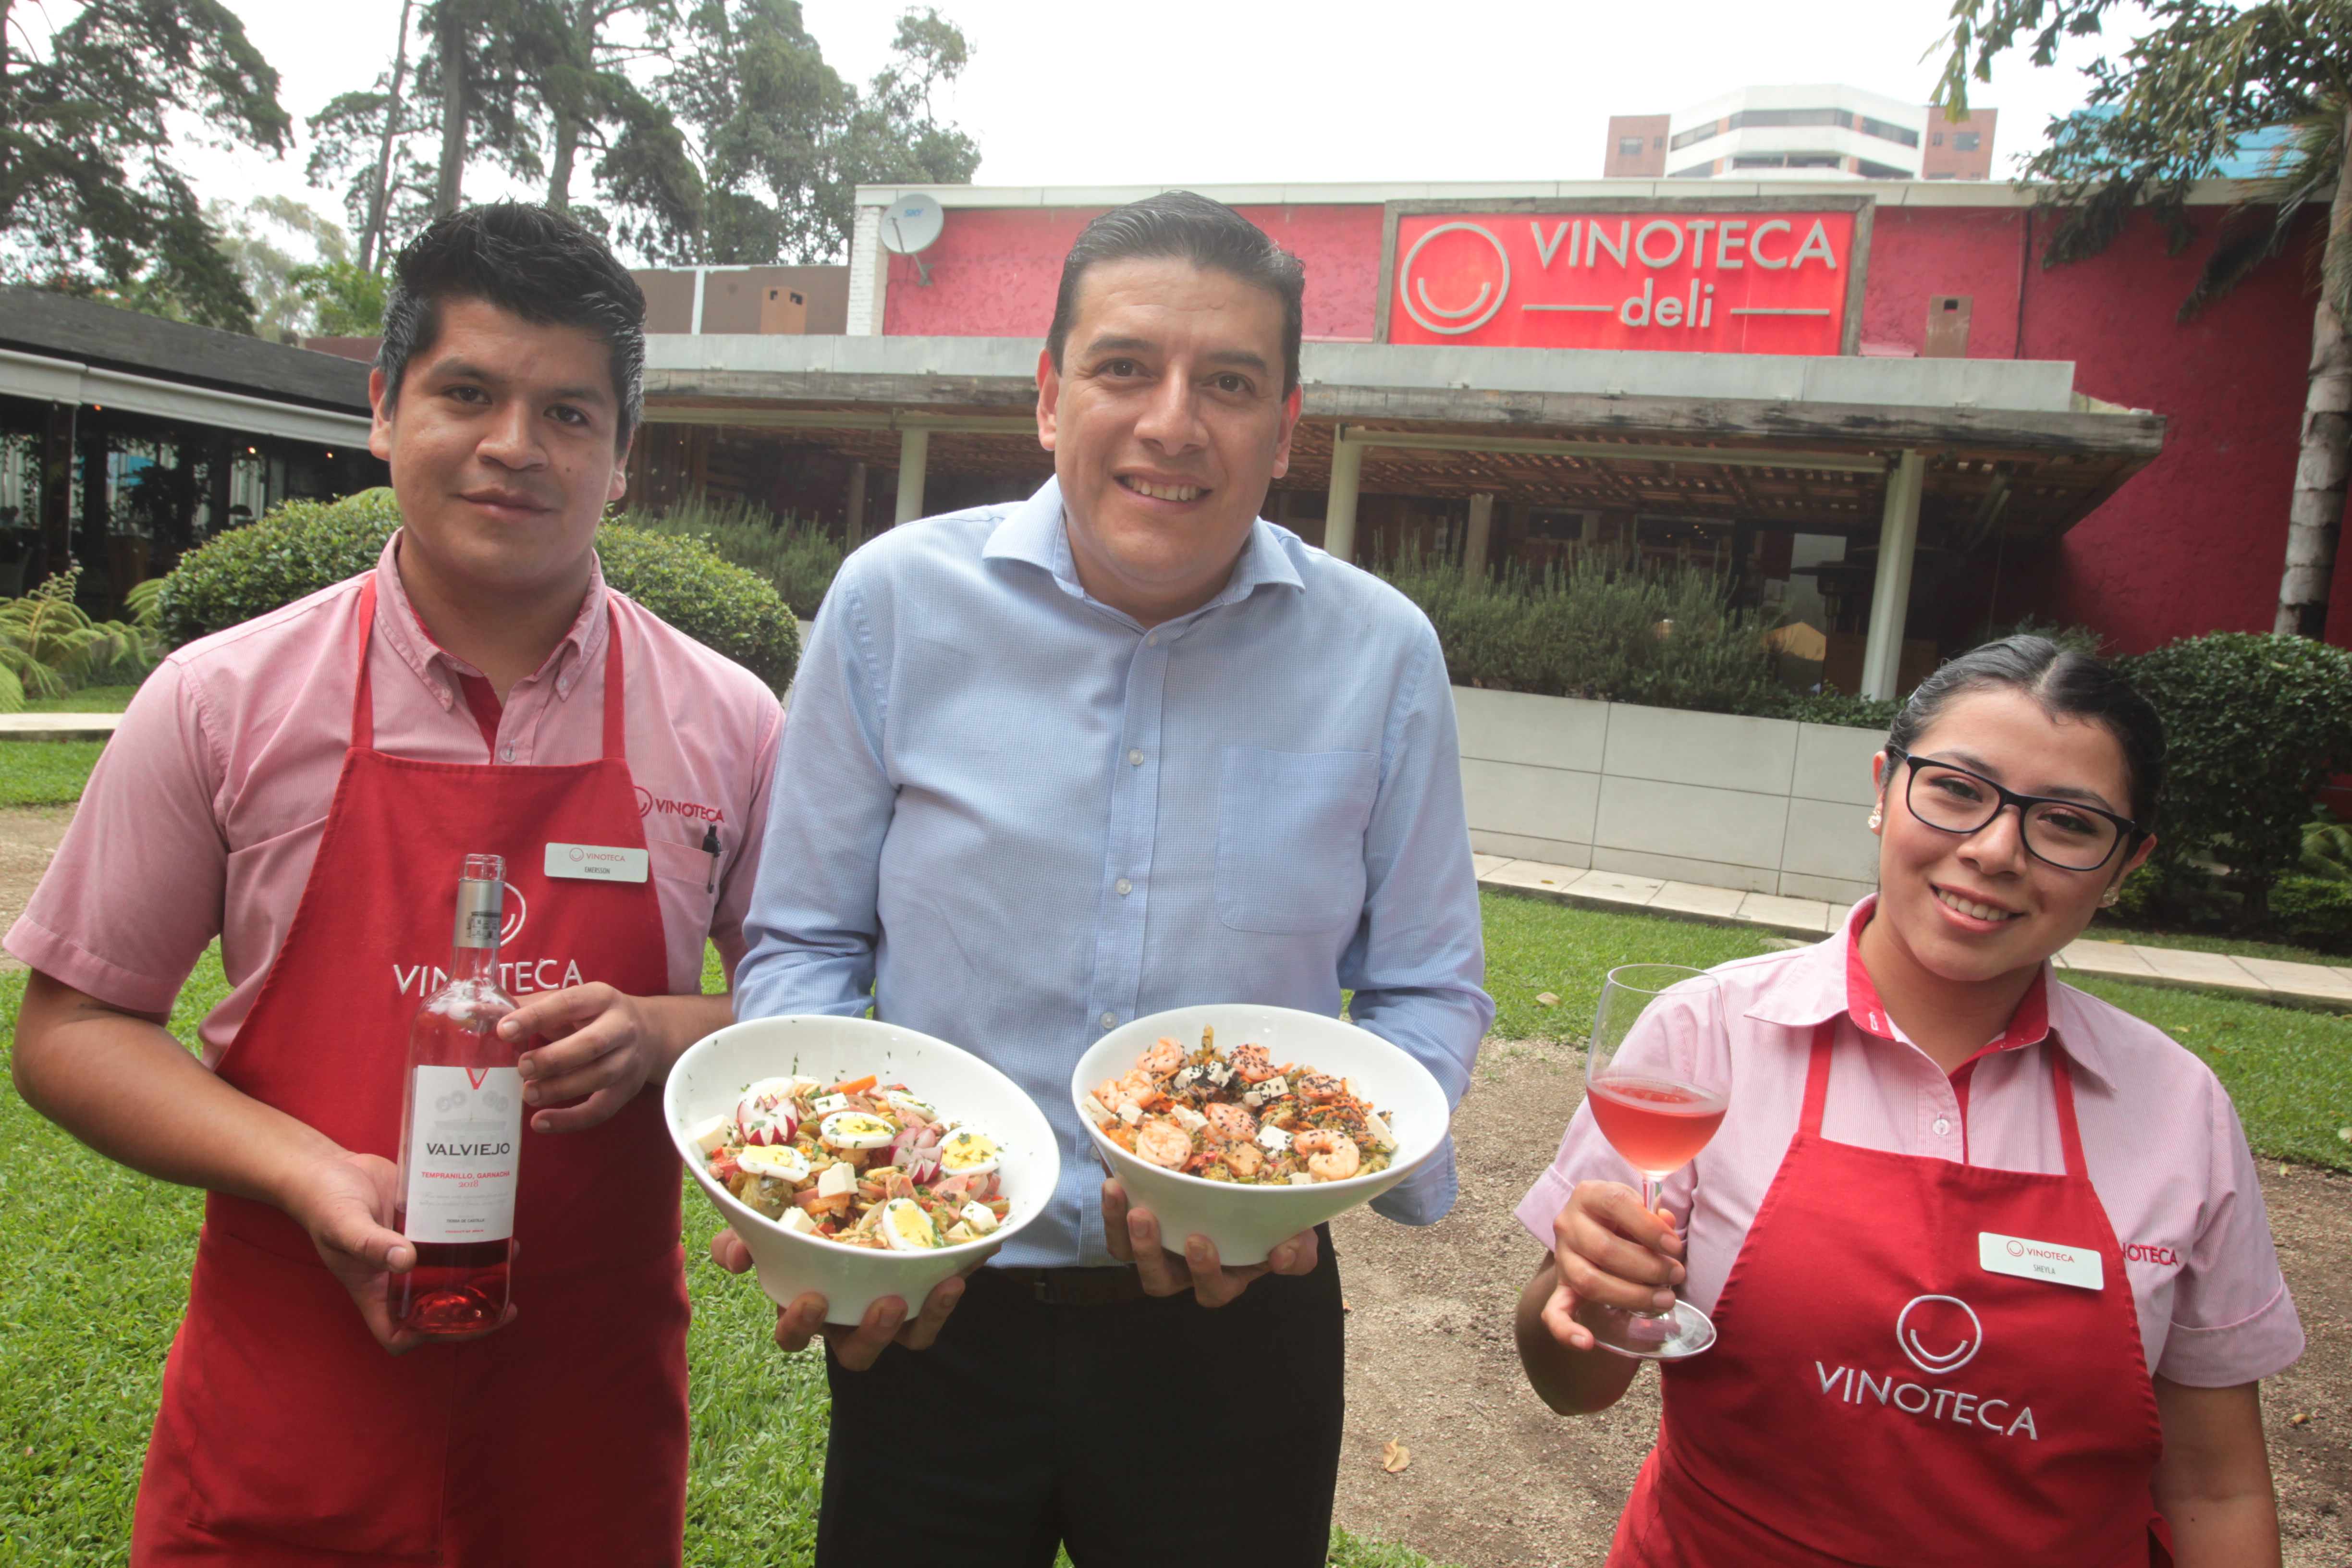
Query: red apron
<point x="1878" y="1397"/>
<point x="286" y="1435"/>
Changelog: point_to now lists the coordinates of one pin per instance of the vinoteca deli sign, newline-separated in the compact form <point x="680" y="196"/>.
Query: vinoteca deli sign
<point x="1711" y="277"/>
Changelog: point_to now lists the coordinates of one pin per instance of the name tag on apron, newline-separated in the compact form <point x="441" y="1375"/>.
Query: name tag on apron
<point x="596" y="862"/>
<point x="2080" y="1267"/>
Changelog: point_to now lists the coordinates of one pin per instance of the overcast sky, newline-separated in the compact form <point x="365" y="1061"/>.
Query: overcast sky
<point x="1213" y="92"/>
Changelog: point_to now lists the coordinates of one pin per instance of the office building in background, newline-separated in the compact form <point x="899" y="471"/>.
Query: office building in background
<point x="1818" y="132"/>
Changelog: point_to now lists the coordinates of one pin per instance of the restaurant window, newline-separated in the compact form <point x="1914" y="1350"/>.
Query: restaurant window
<point x="1629" y="146"/>
<point x="1966" y="141"/>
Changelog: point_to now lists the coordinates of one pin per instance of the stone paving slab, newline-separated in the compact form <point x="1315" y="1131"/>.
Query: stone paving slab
<point x="2326" y="986"/>
<point x="57" y="726"/>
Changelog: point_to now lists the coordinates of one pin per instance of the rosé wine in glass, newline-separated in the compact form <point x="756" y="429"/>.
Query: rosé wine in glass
<point x="1657" y="1077"/>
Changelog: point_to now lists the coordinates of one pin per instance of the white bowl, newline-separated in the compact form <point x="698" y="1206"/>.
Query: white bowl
<point x="1248" y="1222"/>
<point x="710" y="1078"/>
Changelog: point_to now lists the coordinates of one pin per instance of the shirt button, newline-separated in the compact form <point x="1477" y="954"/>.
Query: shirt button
<point x="506" y="753"/>
<point x="1135" y="758"/>
<point x="1151" y="641"/>
<point x="1124" y="886"/>
<point x="1943" y="1126"/>
<point x="1109" y="1020"/>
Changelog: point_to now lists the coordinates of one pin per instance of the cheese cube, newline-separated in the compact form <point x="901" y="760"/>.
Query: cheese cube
<point x="1383" y="1139"/>
<point x="980" y="1216"/>
<point x="826" y="1104"/>
<point x="1301" y="1179"/>
<point x="1130" y="1113"/>
<point x="796" y="1219"/>
<point x="956" y="1234"/>
<point x="836" y="1180"/>
<point x="710" y="1133"/>
<point x="1275" y="1085"/>
<point x="1184" y="1115"/>
<point x="1273" y="1138"/>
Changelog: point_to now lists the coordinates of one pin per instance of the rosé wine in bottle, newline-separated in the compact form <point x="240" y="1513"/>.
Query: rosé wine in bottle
<point x="1658" y="1126"/>
<point x="460" y="1130"/>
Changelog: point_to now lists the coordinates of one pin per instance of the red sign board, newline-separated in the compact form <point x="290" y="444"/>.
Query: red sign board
<point x="1759" y="281"/>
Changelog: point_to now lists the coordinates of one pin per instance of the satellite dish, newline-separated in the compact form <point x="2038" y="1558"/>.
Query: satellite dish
<point x="910" y="226"/>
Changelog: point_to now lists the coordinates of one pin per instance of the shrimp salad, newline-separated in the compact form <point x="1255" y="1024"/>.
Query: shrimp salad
<point x="1240" y="1118"/>
<point x="862" y="1163"/>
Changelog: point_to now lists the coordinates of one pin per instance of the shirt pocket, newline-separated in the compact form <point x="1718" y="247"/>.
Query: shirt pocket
<point x="1290" y="838"/>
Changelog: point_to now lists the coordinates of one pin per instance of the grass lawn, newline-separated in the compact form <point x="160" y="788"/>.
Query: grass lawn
<point x="89" y="699"/>
<point x="93" y="1278"/>
<point x="45" y="772"/>
<point x="94" y="1260"/>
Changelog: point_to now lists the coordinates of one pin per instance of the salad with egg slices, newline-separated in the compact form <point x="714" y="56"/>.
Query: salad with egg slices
<point x="1240" y="1117"/>
<point x="860" y="1163"/>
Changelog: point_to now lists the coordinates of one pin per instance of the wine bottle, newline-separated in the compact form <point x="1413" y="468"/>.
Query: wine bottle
<point x="461" y="1130"/>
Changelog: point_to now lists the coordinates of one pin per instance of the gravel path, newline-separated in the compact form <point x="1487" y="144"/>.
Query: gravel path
<point x="1499" y="1481"/>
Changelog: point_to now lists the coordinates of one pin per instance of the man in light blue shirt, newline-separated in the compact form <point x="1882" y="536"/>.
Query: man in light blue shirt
<point x="1054" y="766"/>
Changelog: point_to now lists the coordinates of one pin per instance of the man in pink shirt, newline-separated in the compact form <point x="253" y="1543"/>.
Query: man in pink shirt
<point x="303" y="786"/>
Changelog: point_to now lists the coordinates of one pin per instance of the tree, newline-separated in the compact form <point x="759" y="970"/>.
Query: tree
<point x="89" y="198"/>
<point x="2183" y="98"/>
<point x="574" y="72"/>
<point x="785" y="141"/>
<point x="255" y="238"/>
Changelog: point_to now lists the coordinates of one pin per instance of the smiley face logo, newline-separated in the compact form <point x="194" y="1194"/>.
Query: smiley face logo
<point x="1462" y="269"/>
<point x="516" y="912"/>
<point x="644" y="801"/>
<point x="1927" y="1323"/>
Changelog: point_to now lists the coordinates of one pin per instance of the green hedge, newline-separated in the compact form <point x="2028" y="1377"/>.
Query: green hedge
<point x="2257" y="723"/>
<point x="303" y="546"/>
<point x="798" y="558"/>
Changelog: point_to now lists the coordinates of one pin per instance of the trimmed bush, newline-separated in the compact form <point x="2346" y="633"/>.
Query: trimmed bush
<point x="1830" y="706"/>
<point x="2314" y="910"/>
<point x="304" y="546"/>
<point x="1605" y="625"/>
<point x="798" y="558"/>
<point x="2257" y="723"/>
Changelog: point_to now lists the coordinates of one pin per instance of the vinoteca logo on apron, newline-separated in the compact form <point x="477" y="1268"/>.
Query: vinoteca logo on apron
<point x="516" y="977"/>
<point x="1938" y="1335"/>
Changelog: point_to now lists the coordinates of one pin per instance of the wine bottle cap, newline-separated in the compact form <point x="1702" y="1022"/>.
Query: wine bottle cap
<point x="481" y="901"/>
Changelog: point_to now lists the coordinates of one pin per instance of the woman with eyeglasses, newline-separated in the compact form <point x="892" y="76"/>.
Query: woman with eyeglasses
<point x="1986" y="1258"/>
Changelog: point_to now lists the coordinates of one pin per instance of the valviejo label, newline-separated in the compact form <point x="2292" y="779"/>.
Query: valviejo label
<point x="464" y="1130"/>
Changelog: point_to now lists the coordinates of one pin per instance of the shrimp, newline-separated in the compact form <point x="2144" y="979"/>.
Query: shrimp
<point x="1320" y="1088"/>
<point x="1253" y="1064"/>
<point x="1163" y="1058"/>
<point x="1243" y="1159"/>
<point x="1233" y="1121"/>
<point x="1163" y="1143"/>
<point x="1135" y="1088"/>
<point x="1330" y="1156"/>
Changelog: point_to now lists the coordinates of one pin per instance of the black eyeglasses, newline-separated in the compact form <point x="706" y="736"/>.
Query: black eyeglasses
<point x="2067" y="834"/>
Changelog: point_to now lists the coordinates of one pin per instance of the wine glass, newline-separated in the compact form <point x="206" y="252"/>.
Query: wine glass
<point x="1658" y="1080"/>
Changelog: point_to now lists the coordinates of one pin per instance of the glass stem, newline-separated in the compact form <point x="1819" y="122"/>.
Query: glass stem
<point x="1653" y="1197"/>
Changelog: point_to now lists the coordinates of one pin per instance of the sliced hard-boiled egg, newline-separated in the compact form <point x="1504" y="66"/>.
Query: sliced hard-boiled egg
<point x="855" y="1129"/>
<point x="964" y="1152"/>
<point x="980" y="1216"/>
<point x="782" y="1161"/>
<point x="710" y="1133"/>
<point x="907" y="1227"/>
<point x="899" y="1100"/>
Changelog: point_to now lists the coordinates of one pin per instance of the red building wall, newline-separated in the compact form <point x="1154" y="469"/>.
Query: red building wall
<point x="994" y="270"/>
<point x="2193" y="543"/>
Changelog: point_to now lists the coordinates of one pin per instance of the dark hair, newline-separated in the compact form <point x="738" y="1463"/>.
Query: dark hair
<point x="2067" y="683"/>
<point x="1210" y="235"/>
<point x="527" y="261"/>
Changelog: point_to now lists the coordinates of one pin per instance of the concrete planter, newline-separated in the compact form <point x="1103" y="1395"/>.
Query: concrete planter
<point x="1764" y="805"/>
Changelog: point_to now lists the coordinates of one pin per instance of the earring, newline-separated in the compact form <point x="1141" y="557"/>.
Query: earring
<point x="2111" y="898"/>
<point x="1875" y="818"/>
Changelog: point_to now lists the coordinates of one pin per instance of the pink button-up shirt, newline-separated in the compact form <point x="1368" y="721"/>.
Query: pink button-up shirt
<point x="206" y="810"/>
<point x="2165" y="1154"/>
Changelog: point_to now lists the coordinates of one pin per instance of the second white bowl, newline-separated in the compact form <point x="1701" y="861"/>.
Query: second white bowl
<point x="1248" y="1222"/>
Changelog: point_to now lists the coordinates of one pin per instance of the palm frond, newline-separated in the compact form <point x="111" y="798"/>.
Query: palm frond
<point x="2304" y="169"/>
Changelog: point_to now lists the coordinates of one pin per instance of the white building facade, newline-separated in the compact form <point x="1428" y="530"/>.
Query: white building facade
<point x="1816" y="133"/>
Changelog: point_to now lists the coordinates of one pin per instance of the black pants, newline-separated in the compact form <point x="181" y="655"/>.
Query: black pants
<point x="1154" y="1431"/>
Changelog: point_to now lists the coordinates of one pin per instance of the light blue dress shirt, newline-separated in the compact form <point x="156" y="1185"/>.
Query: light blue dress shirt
<point x="1022" y="819"/>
